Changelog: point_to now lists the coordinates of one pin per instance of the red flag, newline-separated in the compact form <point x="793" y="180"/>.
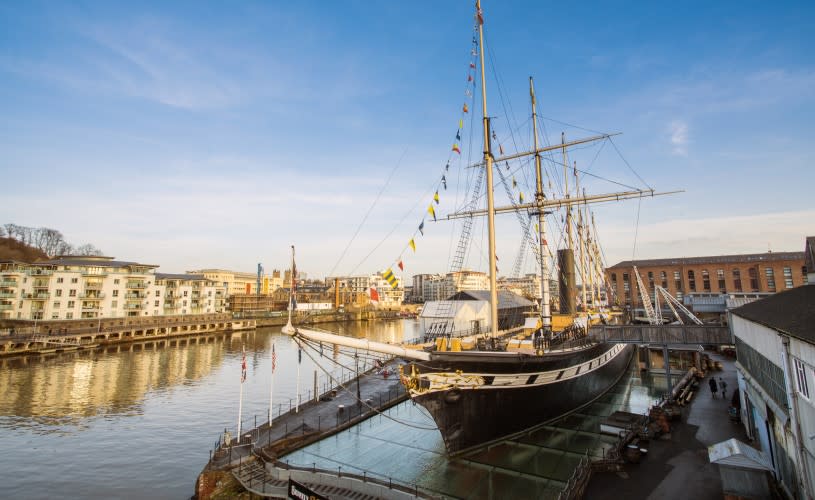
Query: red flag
<point x="469" y="78"/>
<point x="480" y="16"/>
<point x="243" y="368"/>
<point x="456" y="149"/>
<point x="472" y="65"/>
<point x="374" y="295"/>
<point x="465" y="107"/>
<point x="401" y="266"/>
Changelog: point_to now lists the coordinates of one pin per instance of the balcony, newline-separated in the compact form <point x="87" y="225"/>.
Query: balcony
<point x="89" y="307"/>
<point x="93" y="285"/>
<point x="37" y="295"/>
<point x="6" y="307"/>
<point x="39" y="272"/>
<point x="11" y="283"/>
<point x="136" y="284"/>
<point x="135" y="296"/>
<point x="92" y="296"/>
<point x="40" y="284"/>
<point x="94" y="273"/>
<point x="171" y="306"/>
<point x="8" y="295"/>
<point x="133" y="307"/>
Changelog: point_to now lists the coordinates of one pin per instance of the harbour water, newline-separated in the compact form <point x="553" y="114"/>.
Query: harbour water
<point x="138" y="421"/>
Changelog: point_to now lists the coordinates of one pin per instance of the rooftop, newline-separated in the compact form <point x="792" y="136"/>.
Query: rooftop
<point x="791" y="312"/>
<point x="715" y="259"/>
<point x="506" y="299"/>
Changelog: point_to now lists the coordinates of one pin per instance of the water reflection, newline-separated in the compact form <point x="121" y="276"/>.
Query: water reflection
<point x="62" y="389"/>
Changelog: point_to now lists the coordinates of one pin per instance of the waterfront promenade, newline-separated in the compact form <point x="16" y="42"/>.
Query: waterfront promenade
<point x="257" y="450"/>
<point x="678" y="467"/>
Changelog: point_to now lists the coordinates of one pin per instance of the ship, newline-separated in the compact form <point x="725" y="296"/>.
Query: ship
<point x="485" y="392"/>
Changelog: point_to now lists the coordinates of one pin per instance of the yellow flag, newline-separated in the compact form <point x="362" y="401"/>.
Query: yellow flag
<point x="412" y="244"/>
<point x="436" y="198"/>
<point x="521" y="197"/>
<point x="431" y="211"/>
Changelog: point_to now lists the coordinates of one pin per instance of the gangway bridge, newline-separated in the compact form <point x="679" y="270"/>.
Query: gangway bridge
<point x="665" y="336"/>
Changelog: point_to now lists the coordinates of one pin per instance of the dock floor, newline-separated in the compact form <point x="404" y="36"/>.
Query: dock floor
<point x="679" y="468"/>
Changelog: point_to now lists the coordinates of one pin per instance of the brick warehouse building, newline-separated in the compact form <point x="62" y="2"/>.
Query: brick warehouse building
<point x="724" y="274"/>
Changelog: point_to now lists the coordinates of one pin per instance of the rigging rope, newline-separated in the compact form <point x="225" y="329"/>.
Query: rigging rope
<point x="302" y="342"/>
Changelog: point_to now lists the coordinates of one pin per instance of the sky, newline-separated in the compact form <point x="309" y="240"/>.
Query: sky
<point x="197" y="135"/>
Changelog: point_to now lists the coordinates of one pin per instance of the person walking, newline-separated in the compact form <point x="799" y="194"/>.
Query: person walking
<point x="713" y="387"/>
<point x="723" y="385"/>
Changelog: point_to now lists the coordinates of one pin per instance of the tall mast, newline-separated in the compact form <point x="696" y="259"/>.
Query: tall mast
<point x="546" y="314"/>
<point x="488" y="166"/>
<point x="566" y="191"/>
<point x="581" y="241"/>
<point x="288" y="328"/>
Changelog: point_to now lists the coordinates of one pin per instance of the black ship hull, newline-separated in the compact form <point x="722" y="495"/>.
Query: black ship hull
<point x="476" y="398"/>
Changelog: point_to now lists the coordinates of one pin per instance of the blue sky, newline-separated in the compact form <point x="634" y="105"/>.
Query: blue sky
<point x="196" y="134"/>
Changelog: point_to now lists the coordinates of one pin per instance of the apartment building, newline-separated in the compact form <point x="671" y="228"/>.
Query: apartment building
<point x="82" y="287"/>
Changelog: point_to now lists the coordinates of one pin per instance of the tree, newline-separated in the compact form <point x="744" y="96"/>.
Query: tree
<point x="87" y="249"/>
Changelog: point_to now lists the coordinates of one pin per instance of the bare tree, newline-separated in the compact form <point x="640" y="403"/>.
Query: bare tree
<point x="48" y="240"/>
<point x="87" y="249"/>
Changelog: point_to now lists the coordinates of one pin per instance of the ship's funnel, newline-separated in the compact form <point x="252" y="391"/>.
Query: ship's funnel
<point x="566" y="281"/>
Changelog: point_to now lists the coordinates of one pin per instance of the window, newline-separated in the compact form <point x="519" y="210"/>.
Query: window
<point x="56" y="305"/>
<point x="737" y="280"/>
<point x="71" y="293"/>
<point x="691" y="281"/>
<point x="753" y="279"/>
<point x="768" y="272"/>
<point x="185" y="293"/>
<point x="788" y="277"/>
<point x="720" y="277"/>
<point x="114" y="304"/>
<point x="157" y="294"/>
<point x="678" y="280"/>
<point x="115" y="293"/>
<point x="71" y="304"/>
<point x="705" y="280"/>
<point x="59" y="280"/>
<point x="74" y="280"/>
<point x="801" y="378"/>
<point x="679" y="296"/>
<point x="69" y="315"/>
<point x="116" y="281"/>
<point x="54" y="315"/>
<point x="663" y="276"/>
<point x="651" y="280"/>
<point x="59" y="292"/>
<point x="185" y="302"/>
<point x="155" y="304"/>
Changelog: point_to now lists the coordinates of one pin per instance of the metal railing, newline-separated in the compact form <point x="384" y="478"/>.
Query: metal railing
<point x="662" y="334"/>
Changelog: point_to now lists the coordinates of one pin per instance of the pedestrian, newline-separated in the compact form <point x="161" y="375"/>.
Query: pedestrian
<point x="723" y="385"/>
<point x="713" y="387"/>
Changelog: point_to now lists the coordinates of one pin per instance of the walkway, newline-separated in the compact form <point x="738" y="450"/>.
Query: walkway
<point x="678" y="467"/>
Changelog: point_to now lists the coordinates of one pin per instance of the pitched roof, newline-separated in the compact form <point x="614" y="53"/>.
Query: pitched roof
<point x="506" y="299"/>
<point x="186" y="277"/>
<point x="791" y="312"/>
<point x="714" y="259"/>
<point x="809" y="254"/>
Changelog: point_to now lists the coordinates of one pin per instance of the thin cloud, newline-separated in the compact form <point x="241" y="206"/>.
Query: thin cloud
<point x="679" y="137"/>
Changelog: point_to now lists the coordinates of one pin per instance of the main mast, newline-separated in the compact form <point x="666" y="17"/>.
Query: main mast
<point x="546" y="314"/>
<point x="488" y="166"/>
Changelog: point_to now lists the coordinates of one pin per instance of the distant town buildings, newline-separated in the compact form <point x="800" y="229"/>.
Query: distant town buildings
<point x="82" y="287"/>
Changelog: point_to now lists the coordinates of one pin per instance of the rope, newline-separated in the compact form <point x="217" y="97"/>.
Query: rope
<point x="302" y="342"/>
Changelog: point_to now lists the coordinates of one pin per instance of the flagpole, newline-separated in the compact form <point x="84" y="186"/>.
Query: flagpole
<point x="299" y="358"/>
<point x="271" y="389"/>
<point x="240" y="400"/>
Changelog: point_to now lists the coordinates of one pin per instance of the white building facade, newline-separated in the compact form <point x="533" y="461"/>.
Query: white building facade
<point x="82" y="287"/>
